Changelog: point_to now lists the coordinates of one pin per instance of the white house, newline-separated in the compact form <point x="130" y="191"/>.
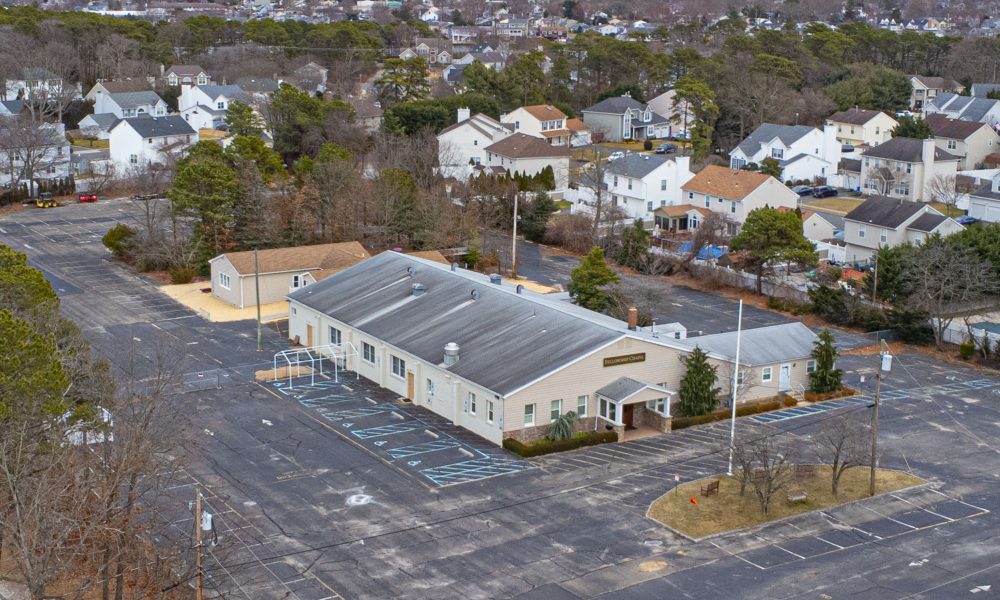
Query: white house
<point x="678" y="116"/>
<point x="186" y="74"/>
<point x="640" y="183"/>
<point x="541" y="121"/>
<point x="734" y="193"/>
<point x="98" y="126"/>
<point x="205" y="106"/>
<point x="527" y="155"/>
<point x="47" y="158"/>
<point x="130" y="104"/>
<point x="140" y="141"/>
<point x="905" y="167"/>
<point x="463" y="145"/>
<point x="984" y="203"/>
<point x="804" y="153"/>
<point x="966" y="108"/>
<point x="491" y="60"/>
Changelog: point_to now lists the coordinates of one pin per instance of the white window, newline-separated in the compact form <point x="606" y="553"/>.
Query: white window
<point x="517" y="124"/>
<point x="220" y="105"/>
<point x="368" y="352"/>
<point x="861" y="231"/>
<point x="876" y="131"/>
<point x="659" y="405"/>
<point x="616" y="181"/>
<point x="732" y="207"/>
<point x="133" y="158"/>
<point x="298" y="281"/>
<point x="334" y="336"/>
<point x="690" y="195"/>
<point x="708" y="202"/>
<point x="777" y="153"/>
<point x="489" y="411"/>
<point x="581" y="405"/>
<point x="740" y="377"/>
<point x="909" y="168"/>
<point x="663" y="202"/>
<point x="398" y="367"/>
<point x="765" y="374"/>
<point x="224" y="280"/>
<point x="629" y="184"/>
<point x="663" y="185"/>
<point x="811" y="366"/>
<point x="472" y="403"/>
<point x="529" y="415"/>
<point x="952" y="144"/>
<point x="430" y="387"/>
<point x="883" y="236"/>
<point x="475" y="142"/>
<point x="608" y="410"/>
<point x="649" y="206"/>
<point x="555" y="410"/>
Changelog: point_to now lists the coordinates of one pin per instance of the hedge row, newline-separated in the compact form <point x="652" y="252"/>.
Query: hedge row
<point x="811" y="396"/>
<point x="744" y="410"/>
<point x="544" y="446"/>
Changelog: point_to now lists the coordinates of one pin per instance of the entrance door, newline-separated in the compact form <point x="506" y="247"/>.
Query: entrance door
<point x="627" y="416"/>
<point x="785" y="378"/>
<point x="309" y="336"/>
<point x="409" y="385"/>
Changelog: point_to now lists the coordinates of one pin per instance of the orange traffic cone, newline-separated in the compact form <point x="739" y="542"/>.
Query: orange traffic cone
<point x="694" y="501"/>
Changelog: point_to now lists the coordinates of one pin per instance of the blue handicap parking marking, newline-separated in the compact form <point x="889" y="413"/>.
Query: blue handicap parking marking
<point x="415" y="449"/>
<point x="474" y="470"/>
<point x="386" y="430"/>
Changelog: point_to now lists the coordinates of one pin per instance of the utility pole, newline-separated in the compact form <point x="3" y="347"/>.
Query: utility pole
<point x="513" y="243"/>
<point x="884" y="364"/>
<point x="199" y="571"/>
<point x="875" y="277"/>
<point x="256" y="285"/>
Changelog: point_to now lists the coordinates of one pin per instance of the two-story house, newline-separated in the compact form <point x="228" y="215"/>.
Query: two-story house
<point x="881" y="222"/>
<point x="528" y="155"/>
<point x="971" y="141"/>
<point x="138" y="142"/>
<point x="462" y="146"/>
<point x="624" y="118"/>
<point x="46" y="158"/>
<point x="984" y="202"/>
<point x="310" y="77"/>
<point x="926" y="89"/>
<point x="860" y="127"/>
<point x="103" y="88"/>
<point x="511" y="27"/>
<point x="190" y="74"/>
<point x="982" y="90"/>
<point x="804" y="153"/>
<point x="491" y="60"/>
<point x="205" y="106"/>
<point x="677" y="113"/>
<point x="131" y="104"/>
<point x="966" y="108"/>
<point x="638" y="184"/>
<point x="540" y="120"/>
<point x="905" y="167"/>
<point x="734" y="193"/>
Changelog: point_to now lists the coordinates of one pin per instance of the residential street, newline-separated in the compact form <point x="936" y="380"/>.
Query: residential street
<point x="342" y="490"/>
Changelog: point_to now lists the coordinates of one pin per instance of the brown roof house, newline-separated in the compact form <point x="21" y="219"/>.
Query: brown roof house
<point x="734" y="193"/>
<point x="189" y="74"/>
<point x="529" y="155"/>
<point x="282" y="271"/>
<point x="540" y="120"/>
<point x="971" y="141"/>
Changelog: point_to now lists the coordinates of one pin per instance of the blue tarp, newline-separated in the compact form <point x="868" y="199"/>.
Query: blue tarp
<point x="705" y="253"/>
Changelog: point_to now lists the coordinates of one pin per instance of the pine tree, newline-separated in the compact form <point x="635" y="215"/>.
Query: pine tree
<point x="536" y="219"/>
<point x="826" y="377"/>
<point x="698" y="393"/>
<point x="586" y="280"/>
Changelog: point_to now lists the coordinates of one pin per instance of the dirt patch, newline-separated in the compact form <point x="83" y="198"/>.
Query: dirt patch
<point x="652" y="566"/>
<point x="194" y="296"/>
<point x="281" y="373"/>
<point x="727" y="510"/>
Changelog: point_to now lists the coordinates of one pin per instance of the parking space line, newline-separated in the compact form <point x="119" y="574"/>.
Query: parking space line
<point x="384" y="430"/>
<point x="921" y="507"/>
<point x="870" y="509"/>
<point x="422" y="448"/>
<point x="979" y="508"/>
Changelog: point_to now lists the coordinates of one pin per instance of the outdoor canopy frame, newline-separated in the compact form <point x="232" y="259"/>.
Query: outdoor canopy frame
<point x="314" y="356"/>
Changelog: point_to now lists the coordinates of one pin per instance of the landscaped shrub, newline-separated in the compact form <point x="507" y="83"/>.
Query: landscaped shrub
<point x="789" y="402"/>
<point x="966" y="350"/>
<point x="183" y="273"/>
<point x="744" y="410"/>
<point x="117" y="240"/>
<point x="544" y="446"/>
<point x="647" y="145"/>
<point x="811" y="396"/>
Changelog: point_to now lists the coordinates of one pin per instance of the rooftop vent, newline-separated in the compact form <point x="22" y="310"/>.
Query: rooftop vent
<point x="418" y="289"/>
<point x="519" y="289"/>
<point x="474" y="295"/>
<point x="411" y="271"/>
<point x="450" y="354"/>
<point x="454" y="266"/>
<point x="495" y="279"/>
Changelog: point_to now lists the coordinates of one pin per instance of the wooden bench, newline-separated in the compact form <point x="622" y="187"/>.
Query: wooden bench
<point x="796" y="497"/>
<point x="710" y="489"/>
<point x="759" y="475"/>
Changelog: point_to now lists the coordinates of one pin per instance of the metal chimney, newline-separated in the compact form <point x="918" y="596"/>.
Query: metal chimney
<point x="450" y="354"/>
<point x="633" y="318"/>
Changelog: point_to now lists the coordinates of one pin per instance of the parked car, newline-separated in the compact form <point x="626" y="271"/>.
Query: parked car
<point x="824" y="191"/>
<point x="666" y="148"/>
<point x="88" y="197"/>
<point x="803" y="190"/>
<point x="615" y="156"/>
<point x="966" y="220"/>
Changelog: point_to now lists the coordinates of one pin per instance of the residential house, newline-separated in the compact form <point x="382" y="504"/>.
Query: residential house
<point x="98" y="126"/>
<point x="367" y="113"/>
<point x="49" y="158"/>
<point x="462" y="34"/>
<point x="511" y="27"/>
<point x="310" y="77"/>
<point x="678" y="116"/>
<point x="491" y="60"/>
<point x="881" y="222"/>
<point x="735" y="192"/>
<point x="278" y="271"/>
<point x="130" y="104"/>
<point x="104" y="88"/>
<point x="190" y="74"/>
<point x="460" y="327"/>
<point x="982" y="90"/>
<point x="984" y="202"/>
<point x="860" y="127"/>
<point x="679" y="217"/>
<point x="138" y="142"/>
<point x="624" y="118"/>
<point x="638" y="184"/>
<point x="804" y="153"/>
<point x="541" y="121"/>
<point x="905" y="167"/>
<point x="579" y="133"/>
<point x="28" y="82"/>
<point x="819" y="226"/>
<point x="848" y="175"/>
<point x="205" y="106"/>
<point x="261" y="87"/>
<point x="463" y="145"/>
<point x="966" y="108"/>
<point x="926" y="89"/>
<point x="971" y="141"/>
<point x="435" y="51"/>
<point x="528" y="155"/>
<point x="10" y="108"/>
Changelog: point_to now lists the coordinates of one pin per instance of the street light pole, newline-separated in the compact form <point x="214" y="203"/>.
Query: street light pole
<point x="199" y="572"/>
<point x="884" y="364"/>
<point x="736" y="380"/>
<point x="513" y="242"/>
<point x="256" y="285"/>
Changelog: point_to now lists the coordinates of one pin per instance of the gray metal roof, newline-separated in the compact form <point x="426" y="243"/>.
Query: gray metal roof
<point x="788" y="134"/>
<point x="761" y="346"/>
<point x="979" y="90"/>
<point x="135" y="99"/>
<point x="624" y="388"/>
<point x="12" y="107"/>
<point x="159" y="126"/>
<point x="886" y="212"/>
<point x="506" y="340"/>
<point x="636" y="165"/>
<point x="833" y="219"/>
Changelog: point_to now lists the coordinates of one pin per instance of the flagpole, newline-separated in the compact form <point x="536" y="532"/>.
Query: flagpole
<point x="736" y="379"/>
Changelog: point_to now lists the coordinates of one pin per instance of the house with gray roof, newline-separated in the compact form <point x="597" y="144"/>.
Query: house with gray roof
<point x="624" y="118"/>
<point x="136" y="143"/>
<point x="804" y="153"/>
<point x="130" y="104"/>
<point x="971" y="141"/>
<point x="638" y="184"/>
<point x="981" y="90"/>
<point x="906" y="168"/>
<point x="462" y="146"/>
<point x="503" y="362"/>
<point x="98" y="126"/>
<point x="529" y="155"/>
<point x="925" y="90"/>
<point x="984" y="202"/>
<point x="966" y="108"/>
<point x="10" y="108"/>
<point x="881" y="222"/>
<point x="205" y="106"/>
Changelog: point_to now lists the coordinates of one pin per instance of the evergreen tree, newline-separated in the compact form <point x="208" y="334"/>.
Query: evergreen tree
<point x="698" y="393"/>
<point x="537" y="218"/>
<point x="912" y="127"/>
<point x="889" y="269"/>
<point x="771" y="166"/>
<point x="635" y="244"/>
<point x="770" y="237"/>
<point x="586" y="280"/>
<point x="826" y="377"/>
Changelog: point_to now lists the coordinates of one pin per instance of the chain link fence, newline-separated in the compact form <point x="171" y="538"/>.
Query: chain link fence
<point x="196" y="381"/>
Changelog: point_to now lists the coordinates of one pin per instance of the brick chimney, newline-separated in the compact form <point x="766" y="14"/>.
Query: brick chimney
<point x="633" y="318"/>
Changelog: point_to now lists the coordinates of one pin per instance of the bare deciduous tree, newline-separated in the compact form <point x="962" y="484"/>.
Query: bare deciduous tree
<point x="842" y="442"/>
<point x="883" y="180"/>
<point x="28" y="148"/>
<point x="943" y="189"/>
<point x="645" y="295"/>
<point x="766" y="464"/>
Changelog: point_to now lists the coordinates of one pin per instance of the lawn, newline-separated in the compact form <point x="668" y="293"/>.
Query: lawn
<point x="948" y="211"/>
<point x="840" y="205"/>
<point x="727" y="511"/>
<point x="88" y="143"/>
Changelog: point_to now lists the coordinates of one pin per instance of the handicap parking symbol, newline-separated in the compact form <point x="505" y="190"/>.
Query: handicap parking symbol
<point x="348" y="425"/>
<point x="413" y="463"/>
<point x="380" y="443"/>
